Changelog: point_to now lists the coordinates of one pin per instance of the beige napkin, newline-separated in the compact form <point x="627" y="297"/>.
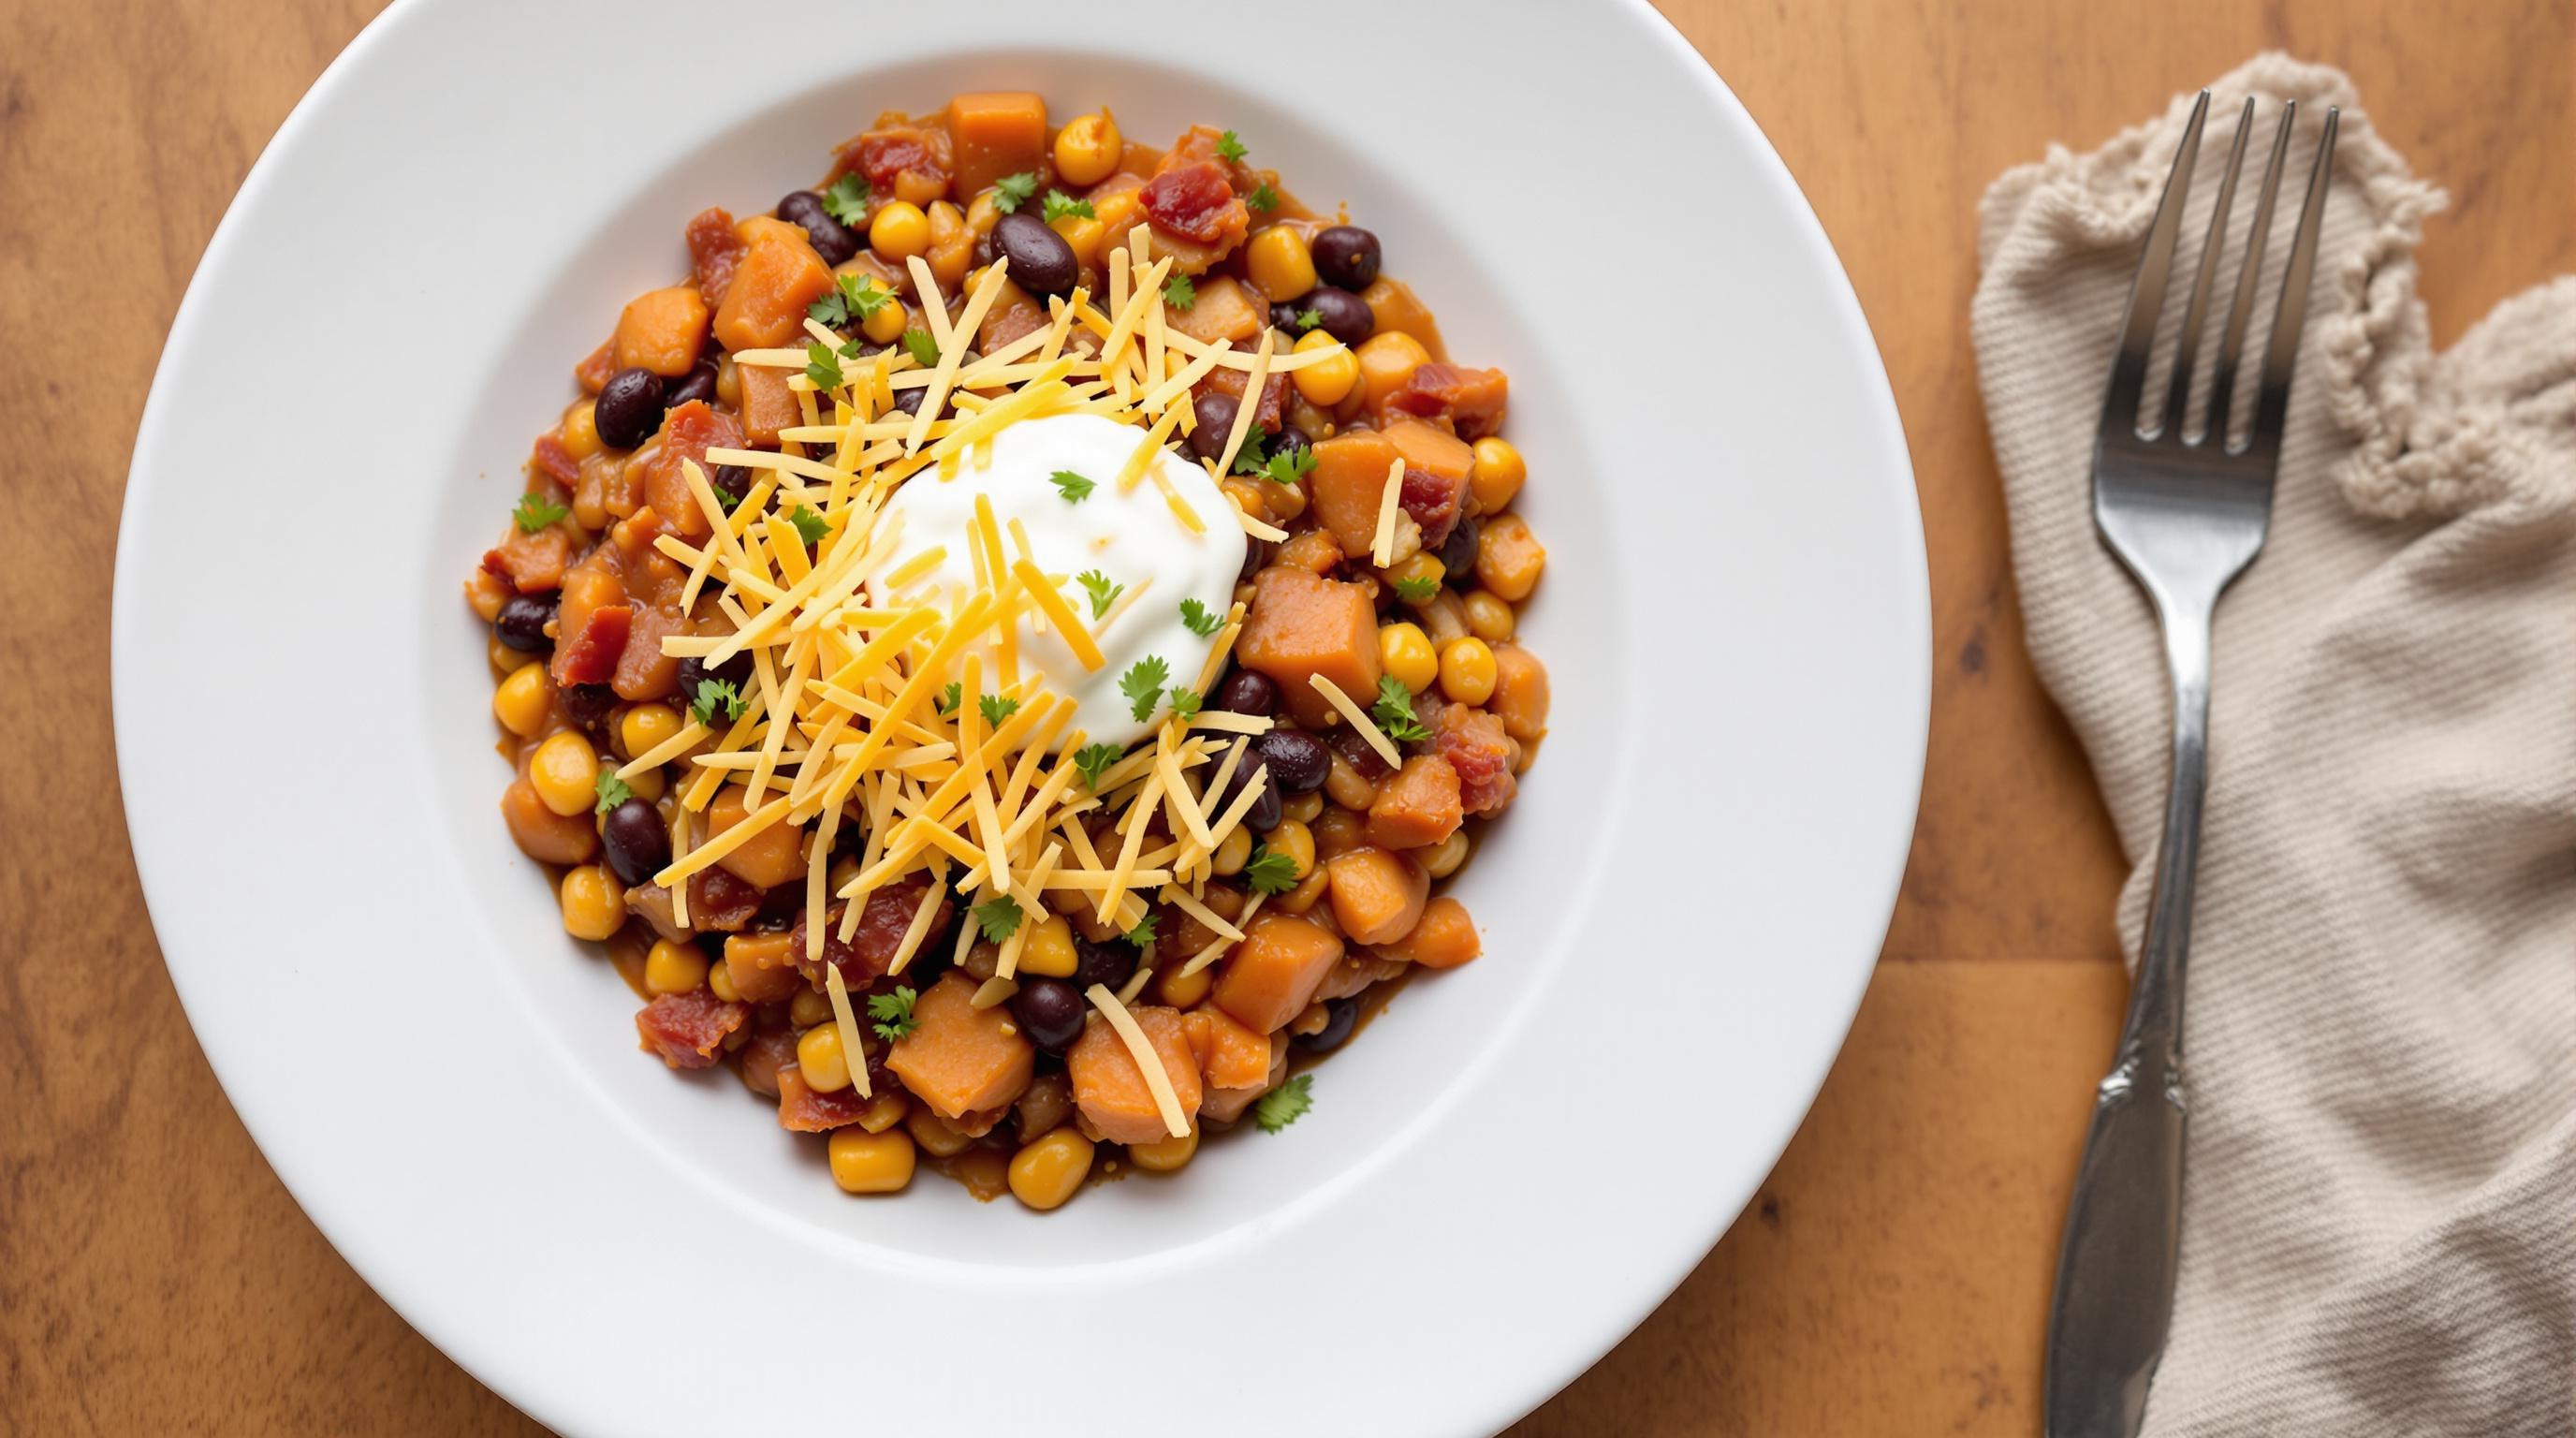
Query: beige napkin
<point x="2379" y="1233"/>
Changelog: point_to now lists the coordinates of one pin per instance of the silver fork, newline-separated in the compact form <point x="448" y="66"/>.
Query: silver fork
<point x="2185" y="514"/>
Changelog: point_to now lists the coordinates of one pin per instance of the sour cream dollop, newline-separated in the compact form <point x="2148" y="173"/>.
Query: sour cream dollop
<point x="1132" y="541"/>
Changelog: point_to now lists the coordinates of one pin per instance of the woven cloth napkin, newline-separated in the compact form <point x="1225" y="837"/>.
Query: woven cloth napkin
<point x="2379" y="1227"/>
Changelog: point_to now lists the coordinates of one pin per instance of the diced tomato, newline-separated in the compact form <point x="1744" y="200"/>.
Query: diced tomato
<point x="1274" y="394"/>
<point x="770" y="1050"/>
<point x="554" y="461"/>
<point x="687" y="434"/>
<point x="802" y="1110"/>
<point x="1196" y="202"/>
<point x="590" y="657"/>
<point x="688" y="1029"/>
<point x="721" y="903"/>
<point x="1473" y="399"/>
<point x="884" y="155"/>
<point x="596" y="367"/>
<point x="714" y="249"/>
<point x="1474" y="744"/>
<point x="532" y="562"/>
<point x="879" y="937"/>
<point x="1432" y="500"/>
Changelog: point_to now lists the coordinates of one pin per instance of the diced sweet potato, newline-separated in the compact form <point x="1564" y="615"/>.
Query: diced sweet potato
<point x="762" y="967"/>
<point x="540" y="832"/>
<point x="995" y="133"/>
<point x="1349" y="483"/>
<point x="772" y="857"/>
<point x="1014" y="313"/>
<point x="960" y="1059"/>
<point x="768" y="405"/>
<point x="662" y="331"/>
<point x="1110" y="1089"/>
<point x="1443" y="938"/>
<point x="764" y="305"/>
<point x="688" y="432"/>
<point x="1301" y="625"/>
<point x="1225" y="1105"/>
<point x="1273" y="973"/>
<point x="1224" y="310"/>
<point x="1377" y="896"/>
<point x="1230" y="1054"/>
<point x="1416" y="806"/>
<point x="1429" y="448"/>
<point x="1397" y="308"/>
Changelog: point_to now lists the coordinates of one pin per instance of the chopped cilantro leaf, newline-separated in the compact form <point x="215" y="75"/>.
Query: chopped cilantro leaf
<point x="1094" y="760"/>
<point x="950" y="698"/>
<point x="1230" y="148"/>
<point x="1289" y="466"/>
<point x="1285" y="1104"/>
<point x="714" y="697"/>
<point x="1250" y="459"/>
<point x="1202" y="620"/>
<point x="847" y="200"/>
<point x="1102" y="592"/>
<point x="998" y="918"/>
<point x="1143" y="685"/>
<point x="612" y="790"/>
<point x="1307" y="319"/>
<point x="1269" y="870"/>
<point x="893" y="1013"/>
<point x="1179" y="293"/>
<point x="1143" y="933"/>
<point x="1059" y="204"/>
<point x="1416" y="588"/>
<point x="1012" y="191"/>
<point x="1072" y="486"/>
<point x="1262" y="200"/>
<point x="1394" y="712"/>
<point x="822" y="366"/>
<point x="996" y="708"/>
<point x="923" y="349"/>
<point x="535" y="512"/>
<point x="853" y="297"/>
<point x="1185" y="703"/>
<point x="810" y="526"/>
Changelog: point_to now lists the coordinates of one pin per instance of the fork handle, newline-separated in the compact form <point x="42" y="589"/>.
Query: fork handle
<point x="2115" y="1269"/>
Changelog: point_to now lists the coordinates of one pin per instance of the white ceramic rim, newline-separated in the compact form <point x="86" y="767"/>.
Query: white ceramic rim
<point x="372" y="972"/>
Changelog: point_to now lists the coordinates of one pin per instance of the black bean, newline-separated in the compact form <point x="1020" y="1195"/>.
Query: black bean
<point x="522" y="622"/>
<point x="909" y="400"/>
<point x="1110" y="964"/>
<point x="1248" y="691"/>
<point x="1266" y="811"/>
<point x="693" y="671"/>
<point x="1290" y="440"/>
<point x="832" y="239"/>
<point x="1297" y="759"/>
<point x="588" y="704"/>
<point x="698" y="384"/>
<point x="629" y="409"/>
<point x="1345" y="255"/>
<point x="1041" y="262"/>
<point x="638" y="843"/>
<point x="1340" y="1017"/>
<point x="1215" y="410"/>
<point x="1050" y="1012"/>
<point x="1283" y="315"/>
<point x="1458" y="554"/>
<point x="1346" y="317"/>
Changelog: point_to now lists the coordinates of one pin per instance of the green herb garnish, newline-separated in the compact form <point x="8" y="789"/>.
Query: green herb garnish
<point x="1059" y="204"/>
<point x="810" y="526"/>
<point x="1012" y="191"/>
<point x="612" y="790"/>
<point x="1416" y="588"/>
<point x="1202" y="620"/>
<point x="1307" y="319"/>
<point x="1288" y="466"/>
<point x="1094" y="760"/>
<point x="1185" y="703"/>
<point x="923" y="349"/>
<point x="1072" y="486"/>
<point x="1143" y="685"/>
<point x="1179" y="293"/>
<point x="893" y="1013"/>
<point x="714" y="697"/>
<point x="853" y="297"/>
<point x="1394" y="712"/>
<point x="1262" y="200"/>
<point x="535" y="512"/>
<point x="1143" y="933"/>
<point x="998" y="918"/>
<point x="822" y="366"/>
<point x="1285" y="1104"/>
<point x="949" y="699"/>
<point x="996" y="708"/>
<point x="1102" y="592"/>
<point x="1269" y="870"/>
<point x="847" y="200"/>
<point x="1230" y="149"/>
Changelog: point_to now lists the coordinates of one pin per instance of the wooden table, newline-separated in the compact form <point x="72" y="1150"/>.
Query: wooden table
<point x="1891" y="1277"/>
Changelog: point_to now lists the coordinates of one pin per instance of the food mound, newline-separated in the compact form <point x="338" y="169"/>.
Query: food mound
<point x="1004" y="654"/>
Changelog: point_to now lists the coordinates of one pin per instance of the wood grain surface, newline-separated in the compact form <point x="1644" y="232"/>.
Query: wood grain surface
<point x="1892" y="1275"/>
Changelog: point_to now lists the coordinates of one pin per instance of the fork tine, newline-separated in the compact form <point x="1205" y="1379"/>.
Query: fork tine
<point x="2272" y="401"/>
<point x="2195" y="315"/>
<point x="2240" y="309"/>
<point x="2122" y="405"/>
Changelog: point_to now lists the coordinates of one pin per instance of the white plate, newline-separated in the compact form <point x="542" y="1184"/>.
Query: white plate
<point x="1518" y="1160"/>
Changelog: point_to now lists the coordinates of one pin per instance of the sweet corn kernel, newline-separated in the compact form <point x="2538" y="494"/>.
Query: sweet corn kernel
<point x="1183" y="991"/>
<point x="1489" y="617"/>
<point x="505" y="661"/>
<point x="1050" y="1170"/>
<point x="1306" y="895"/>
<point x="818" y="1055"/>
<point x="1467" y="671"/>
<point x="1049" y="951"/>
<point x="645" y="725"/>
<point x="885" y="325"/>
<point x="720" y="984"/>
<point x="1163" y="1155"/>
<point x="1297" y="842"/>
<point x="1087" y="149"/>
<point x="1496" y="475"/>
<point x="1406" y="653"/>
<point x="521" y="701"/>
<point x="1387" y="359"/>
<point x="952" y="245"/>
<point x="934" y="1134"/>
<point x="594" y="903"/>
<point x="581" y="429"/>
<point x="565" y="771"/>
<point x="1304" y="808"/>
<point x="1233" y="852"/>
<point x="1082" y="236"/>
<point x="808" y="1008"/>
<point x="1344" y="786"/>
<point x="1279" y="263"/>
<point x="647" y="785"/>
<point x="884" y="1111"/>
<point x="1447" y="855"/>
<point x="671" y="968"/>
<point x="864" y="1162"/>
<point x="1326" y="382"/>
<point x="1422" y="565"/>
<point x="899" y="231"/>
